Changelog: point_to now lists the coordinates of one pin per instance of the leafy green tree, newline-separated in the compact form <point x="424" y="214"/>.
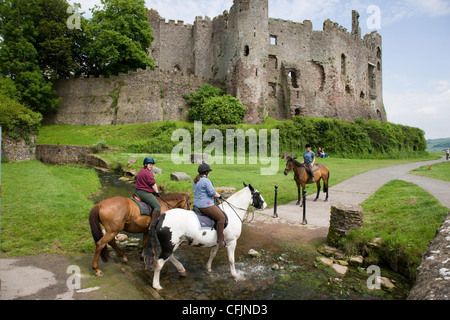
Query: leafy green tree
<point x="118" y="38"/>
<point x="212" y="106"/>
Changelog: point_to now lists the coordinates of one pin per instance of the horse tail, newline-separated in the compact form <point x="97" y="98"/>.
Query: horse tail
<point x="97" y="234"/>
<point x="150" y="252"/>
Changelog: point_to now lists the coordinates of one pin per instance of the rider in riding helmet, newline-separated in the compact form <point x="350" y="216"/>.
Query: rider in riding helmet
<point x="204" y="194"/>
<point x="147" y="189"/>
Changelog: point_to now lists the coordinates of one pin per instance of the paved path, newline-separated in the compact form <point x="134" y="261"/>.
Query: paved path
<point x="355" y="191"/>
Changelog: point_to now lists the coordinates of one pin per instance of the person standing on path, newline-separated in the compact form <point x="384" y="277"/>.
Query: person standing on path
<point x="308" y="160"/>
<point x="448" y="153"/>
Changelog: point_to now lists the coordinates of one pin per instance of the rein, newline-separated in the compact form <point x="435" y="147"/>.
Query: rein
<point x="232" y="205"/>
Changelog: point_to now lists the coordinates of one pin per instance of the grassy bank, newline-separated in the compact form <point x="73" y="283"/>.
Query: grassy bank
<point x="345" y="139"/>
<point x="406" y="218"/>
<point x="439" y="171"/>
<point x="45" y="208"/>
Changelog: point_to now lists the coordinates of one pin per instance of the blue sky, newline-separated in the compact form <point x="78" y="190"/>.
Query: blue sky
<point x="416" y="47"/>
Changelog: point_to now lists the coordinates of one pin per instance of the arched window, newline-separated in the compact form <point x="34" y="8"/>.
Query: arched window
<point x="246" y="50"/>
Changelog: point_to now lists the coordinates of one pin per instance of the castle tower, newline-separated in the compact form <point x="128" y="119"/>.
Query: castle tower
<point x="247" y="74"/>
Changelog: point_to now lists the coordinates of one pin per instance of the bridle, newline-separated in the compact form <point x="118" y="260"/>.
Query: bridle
<point x="257" y="203"/>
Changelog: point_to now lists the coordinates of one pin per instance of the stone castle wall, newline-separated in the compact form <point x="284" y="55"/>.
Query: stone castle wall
<point x="275" y="67"/>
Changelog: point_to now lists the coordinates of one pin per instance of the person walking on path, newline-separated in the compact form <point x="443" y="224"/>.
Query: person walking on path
<point x="448" y="153"/>
<point x="308" y="160"/>
<point x="147" y="189"/>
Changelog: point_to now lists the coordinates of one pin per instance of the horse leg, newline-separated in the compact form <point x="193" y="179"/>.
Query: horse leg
<point x="178" y="265"/>
<point x="158" y="266"/>
<point x="122" y="255"/>
<point x="144" y="244"/>
<point x="299" y="197"/>
<point x="318" y="190"/>
<point x="231" y="246"/>
<point x="211" y="258"/>
<point x="108" y="237"/>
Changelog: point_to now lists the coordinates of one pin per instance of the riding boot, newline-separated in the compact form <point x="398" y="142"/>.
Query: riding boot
<point x="311" y="173"/>
<point x="220" y="239"/>
<point x="155" y="216"/>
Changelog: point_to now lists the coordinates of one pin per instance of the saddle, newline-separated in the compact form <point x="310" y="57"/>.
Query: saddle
<point x="207" y="222"/>
<point x="145" y="209"/>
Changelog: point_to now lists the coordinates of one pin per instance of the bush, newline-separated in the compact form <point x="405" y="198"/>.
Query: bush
<point x="212" y="106"/>
<point x="18" y="121"/>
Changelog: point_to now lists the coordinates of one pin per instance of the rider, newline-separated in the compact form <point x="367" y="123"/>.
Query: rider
<point x="204" y="194"/>
<point x="309" y="159"/>
<point x="147" y="189"/>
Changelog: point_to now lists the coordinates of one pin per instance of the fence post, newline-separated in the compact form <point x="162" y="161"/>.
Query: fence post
<point x="275" y="214"/>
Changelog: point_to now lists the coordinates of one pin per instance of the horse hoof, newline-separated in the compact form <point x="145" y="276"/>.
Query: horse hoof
<point x="298" y="202"/>
<point x="209" y="271"/>
<point x="183" y="273"/>
<point x="158" y="288"/>
<point x="125" y="259"/>
<point x="326" y="200"/>
<point x="99" y="273"/>
<point x="315" y="200"/>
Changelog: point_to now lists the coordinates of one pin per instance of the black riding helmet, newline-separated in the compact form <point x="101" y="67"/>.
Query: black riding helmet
<point x="204" y="168"/>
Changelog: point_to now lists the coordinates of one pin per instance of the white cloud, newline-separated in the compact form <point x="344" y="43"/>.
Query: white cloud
<point x="427" y="108"/>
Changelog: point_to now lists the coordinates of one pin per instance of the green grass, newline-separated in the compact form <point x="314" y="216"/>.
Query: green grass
<point x="439" y="171"/>
<point x="406" y="218"/>
<point x="45" y="208"/>
<point x="233" y="175"/>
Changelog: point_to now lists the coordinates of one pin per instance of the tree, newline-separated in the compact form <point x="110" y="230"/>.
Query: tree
<point x="212" y="106"/>
<point x="118" y="38"/>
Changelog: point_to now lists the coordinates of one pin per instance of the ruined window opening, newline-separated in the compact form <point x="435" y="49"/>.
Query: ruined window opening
<point x="379" y="66"/>
<point x="254" y="32"/>
<point x="246" y="50"/>
<point x="378" y="52"/>
<point x="273" y="40"/>
<point x="371" y="75"/>
<point x="272" y="89"/>
<point x="293" y="76"/>
<point x="256" y="72"/>
<point x="273" y="62"/>
<point x="362" y="95"/>
<point x="343" y="64"/>
<point x="348" y="89"/>
<point x="297" y="111"/>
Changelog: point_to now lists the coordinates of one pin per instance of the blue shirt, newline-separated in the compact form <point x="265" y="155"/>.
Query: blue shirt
<point x="308" y="156"/>
<point x="204" y="193"/>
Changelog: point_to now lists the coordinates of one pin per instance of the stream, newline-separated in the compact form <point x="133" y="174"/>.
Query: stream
<point x="279" y="272"/>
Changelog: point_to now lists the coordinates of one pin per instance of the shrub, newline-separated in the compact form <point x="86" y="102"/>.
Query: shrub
<point x="212" y="106"/>
<point x="18" y="121"/>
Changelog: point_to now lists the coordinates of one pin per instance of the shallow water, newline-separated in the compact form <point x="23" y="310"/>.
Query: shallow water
<point x="279" y="273"/>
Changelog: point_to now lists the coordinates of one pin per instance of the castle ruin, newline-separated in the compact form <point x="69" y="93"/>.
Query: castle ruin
<point x="276" y="68"/>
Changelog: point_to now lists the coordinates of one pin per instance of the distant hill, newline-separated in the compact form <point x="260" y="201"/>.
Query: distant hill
<point x="437" y="145"/>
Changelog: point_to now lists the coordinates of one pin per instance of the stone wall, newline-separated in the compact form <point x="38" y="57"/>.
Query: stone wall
<point x="433" y="276"/>
<point x="18" y="150"/>
<point x="56" y="154"/>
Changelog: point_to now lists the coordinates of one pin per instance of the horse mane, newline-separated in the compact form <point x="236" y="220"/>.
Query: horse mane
<point x="173" y="196"/>
<point x="298" y="164"/>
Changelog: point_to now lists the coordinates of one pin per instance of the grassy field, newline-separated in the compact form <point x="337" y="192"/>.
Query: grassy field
<point x="406" y="218"/>
<point x="439" y="171"/>
<point x="233" y="175"/>
<point x="45" y="208"/>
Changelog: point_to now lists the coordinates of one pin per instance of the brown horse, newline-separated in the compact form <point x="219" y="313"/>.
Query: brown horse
<point x="120" y="213"/>
<point x="302" y="177"/>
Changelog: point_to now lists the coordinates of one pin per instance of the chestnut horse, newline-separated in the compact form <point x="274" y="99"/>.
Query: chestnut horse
<point x="302" y="177"/>
<point x="120" y="213"/>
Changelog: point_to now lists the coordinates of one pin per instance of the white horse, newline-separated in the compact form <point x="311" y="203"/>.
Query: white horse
<point x="177" y="226"/>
